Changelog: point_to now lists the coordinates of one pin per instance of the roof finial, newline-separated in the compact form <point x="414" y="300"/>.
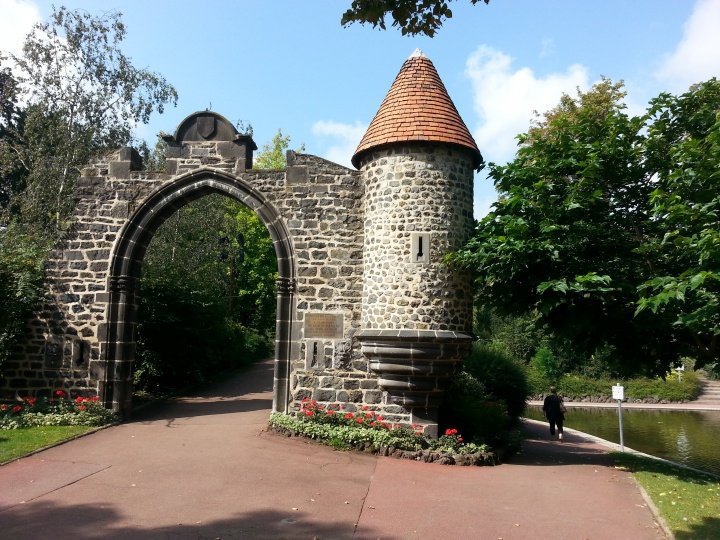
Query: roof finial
<point x="417" y="53"/>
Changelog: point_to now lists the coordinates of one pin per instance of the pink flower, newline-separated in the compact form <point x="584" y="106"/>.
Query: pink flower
<point x="329" y="413"/>
<point x="16" y="409"/>
<point x="308" y="413"/>
<point x="60" y="393"/>
<point x="360" y="420"/>
<point x="82" y="407"/>
<point x="78" y="399"/>
<point x="349" y="415"/>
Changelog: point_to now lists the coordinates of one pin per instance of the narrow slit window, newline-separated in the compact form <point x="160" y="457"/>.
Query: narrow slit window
<point x="420" y="247"/>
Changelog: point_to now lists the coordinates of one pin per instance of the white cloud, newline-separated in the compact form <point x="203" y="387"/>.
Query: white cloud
<point x="344" y="139"/>
<point x="506" y="98"/>
<point x="697" y="56"/>
<point x="18" y="17"/>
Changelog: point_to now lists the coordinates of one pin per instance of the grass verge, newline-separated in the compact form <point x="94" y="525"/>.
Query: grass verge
<point x="18" y="442"/>
<point x="688" y="501"/>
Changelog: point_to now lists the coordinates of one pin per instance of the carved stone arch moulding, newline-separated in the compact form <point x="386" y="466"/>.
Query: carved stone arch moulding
<point x="118" y="352"/>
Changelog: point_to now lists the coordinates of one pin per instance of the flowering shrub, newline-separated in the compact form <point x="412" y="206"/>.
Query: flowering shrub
<point x="367" y="430"/>
<point x="60" y="410"/>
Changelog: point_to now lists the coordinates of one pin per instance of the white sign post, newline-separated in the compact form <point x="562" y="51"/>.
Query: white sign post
<point x="679" y="372"/>
<point x="618" y="392"/>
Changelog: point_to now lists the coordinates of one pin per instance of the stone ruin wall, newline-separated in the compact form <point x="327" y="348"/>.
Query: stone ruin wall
<point x="322" y="205"/>
<point x="344" y="281"/>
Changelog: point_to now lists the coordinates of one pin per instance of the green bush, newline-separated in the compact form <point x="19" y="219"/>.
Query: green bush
<point x="468" y="409"/>
<point x="545" y="363"/>
<point x="577" y="387"/>
<point x="185" y="336"/>
<point x="671" y="389"/>
<point x="22" y="255"/>
<point x="502" y="378"/>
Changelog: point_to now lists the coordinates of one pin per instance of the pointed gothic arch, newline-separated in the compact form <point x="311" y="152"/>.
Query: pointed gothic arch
<point x="118" y="349"/>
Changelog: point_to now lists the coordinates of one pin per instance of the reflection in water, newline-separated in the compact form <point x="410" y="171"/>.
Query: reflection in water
<point x="687" y="437"/>
<point x="684" y="449"/>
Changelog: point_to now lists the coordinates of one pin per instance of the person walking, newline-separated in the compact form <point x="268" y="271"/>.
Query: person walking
<point x="554" y="411"/>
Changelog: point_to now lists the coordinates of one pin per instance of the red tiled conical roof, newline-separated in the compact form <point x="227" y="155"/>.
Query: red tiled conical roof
<point x="417" y="108"/>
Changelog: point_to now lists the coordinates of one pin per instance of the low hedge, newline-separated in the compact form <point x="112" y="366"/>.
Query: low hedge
<point x="578" y="388"/>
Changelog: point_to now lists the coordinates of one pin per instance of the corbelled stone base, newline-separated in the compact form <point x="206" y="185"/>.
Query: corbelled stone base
<point x="415" y="367"/>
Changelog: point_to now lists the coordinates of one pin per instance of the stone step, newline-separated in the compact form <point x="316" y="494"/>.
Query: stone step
<point x="710" y="393"/>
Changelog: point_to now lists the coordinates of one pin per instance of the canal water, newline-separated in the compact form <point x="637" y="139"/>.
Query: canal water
<point x="691" y="438"/>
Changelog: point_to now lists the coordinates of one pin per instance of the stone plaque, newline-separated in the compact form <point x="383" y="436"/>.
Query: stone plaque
<point x="323" y="325"/>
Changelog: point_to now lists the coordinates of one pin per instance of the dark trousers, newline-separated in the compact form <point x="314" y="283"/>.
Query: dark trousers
<point x="555" y="421"/>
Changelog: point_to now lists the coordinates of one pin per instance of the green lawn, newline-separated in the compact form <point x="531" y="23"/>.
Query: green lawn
<point x="689" y="502"/>
<point x="18" y="442"/>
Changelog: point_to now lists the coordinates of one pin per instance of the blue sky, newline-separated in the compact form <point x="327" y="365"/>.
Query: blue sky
<point x="290" y="64"/>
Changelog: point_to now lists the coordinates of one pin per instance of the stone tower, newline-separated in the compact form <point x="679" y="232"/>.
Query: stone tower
<point x="417" y="160"/>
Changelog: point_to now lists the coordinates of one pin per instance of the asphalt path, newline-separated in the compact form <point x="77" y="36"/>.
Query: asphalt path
<point x="205" y="466"/>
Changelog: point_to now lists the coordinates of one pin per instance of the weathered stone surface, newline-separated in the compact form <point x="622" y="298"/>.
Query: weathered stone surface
<point x="350" y="235"/>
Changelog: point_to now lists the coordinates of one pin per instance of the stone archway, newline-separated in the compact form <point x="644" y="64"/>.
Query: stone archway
<point x="368" y="314"/>
<point x="118" y="349"/>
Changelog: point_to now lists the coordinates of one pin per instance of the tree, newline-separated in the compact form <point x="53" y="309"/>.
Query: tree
<point x="411" y="16"/>
<point x="579" y="232"/>
<point x="272" y="155"/>
<point x="82" y="97"/>
<point x="73" y="95"/>
<point x="207" y="293"/>
<point x="10" y="117"/>
<point x="22" y="254"/>
<point x="684" y="144"/>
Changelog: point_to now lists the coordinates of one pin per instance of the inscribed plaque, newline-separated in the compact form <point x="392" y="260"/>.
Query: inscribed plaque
<point x="323" y="325"/>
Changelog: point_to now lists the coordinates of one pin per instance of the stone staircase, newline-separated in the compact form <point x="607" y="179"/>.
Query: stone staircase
<point x="710" y="393"/>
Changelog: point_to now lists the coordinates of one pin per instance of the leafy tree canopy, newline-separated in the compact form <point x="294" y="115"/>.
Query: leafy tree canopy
<point x="607" y="226"/>
<point x="71" y="95"/>
<point x="81" y="96"/>
<point x="413" y="17"/>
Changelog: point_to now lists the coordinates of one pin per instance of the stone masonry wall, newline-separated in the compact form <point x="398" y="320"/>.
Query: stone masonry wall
<point x="418" y="209"/>
<point x="322" y="205"/>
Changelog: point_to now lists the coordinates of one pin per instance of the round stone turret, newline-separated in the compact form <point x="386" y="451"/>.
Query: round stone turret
<point x="417" y="159"/>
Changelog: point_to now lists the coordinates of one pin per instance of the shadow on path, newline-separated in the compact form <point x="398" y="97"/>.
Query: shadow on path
<point x="103" y="520"/>
<point x="238" y="392"/>
<point x="540" y="450"/>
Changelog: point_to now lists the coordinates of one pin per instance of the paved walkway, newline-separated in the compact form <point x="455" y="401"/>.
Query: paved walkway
<point x="204" y="467"/>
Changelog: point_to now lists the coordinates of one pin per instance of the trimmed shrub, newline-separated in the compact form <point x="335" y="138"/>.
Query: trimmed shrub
<point x="502" y="378"/>
<point x="468" y="408"/>
<point x="577" y="387"/>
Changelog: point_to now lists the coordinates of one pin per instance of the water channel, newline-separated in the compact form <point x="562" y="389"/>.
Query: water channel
<point x="686" y="437"/>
